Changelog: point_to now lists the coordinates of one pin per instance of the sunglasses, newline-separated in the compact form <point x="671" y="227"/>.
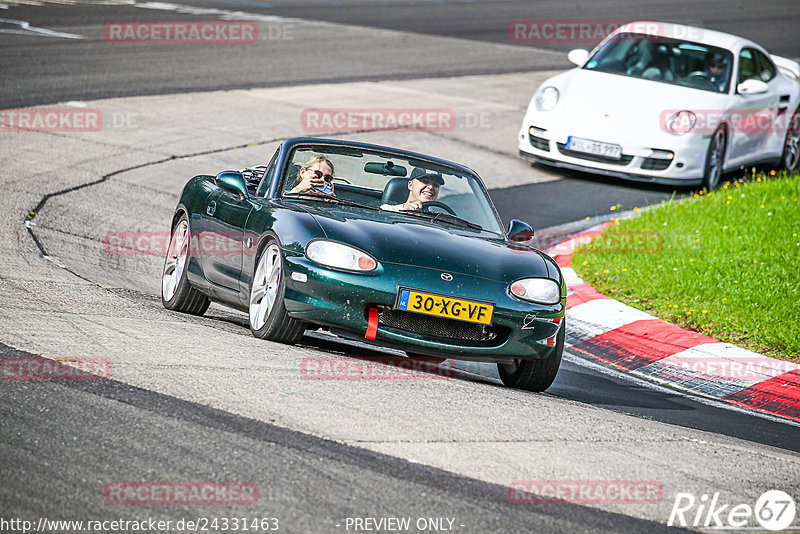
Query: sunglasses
<point x="716" y="65"/>
<point x="320" y="174"/>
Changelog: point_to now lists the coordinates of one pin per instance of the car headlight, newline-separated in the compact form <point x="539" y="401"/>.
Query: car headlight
<point x="546" y="98"/>
<point x="340" y="256"/>
<point x="681" y="122"/>
<point x="539" y="290"/>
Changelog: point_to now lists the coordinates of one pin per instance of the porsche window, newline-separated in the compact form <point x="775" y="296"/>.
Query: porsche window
<point x="373" y="179"/>
<point x="665" y="60"/>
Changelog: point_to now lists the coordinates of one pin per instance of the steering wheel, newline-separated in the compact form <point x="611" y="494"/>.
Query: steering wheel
<point x="700" y="75"/>
<point x="630" y="59"/>
<point x="701" y="80"/>
<point x="436" y="203"/>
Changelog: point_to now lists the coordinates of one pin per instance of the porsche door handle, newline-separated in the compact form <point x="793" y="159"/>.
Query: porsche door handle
<point x="211" y="208"/>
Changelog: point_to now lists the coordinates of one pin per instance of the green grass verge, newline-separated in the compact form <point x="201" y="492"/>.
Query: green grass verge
<point x="726" y="263"/>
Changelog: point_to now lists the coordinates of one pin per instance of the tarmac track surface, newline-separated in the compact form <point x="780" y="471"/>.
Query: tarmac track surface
<point x="200" y="399"/>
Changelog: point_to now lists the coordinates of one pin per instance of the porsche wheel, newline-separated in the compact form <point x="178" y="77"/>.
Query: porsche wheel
<point x="176" y="292"/>
<point x="790" y="160"/>
<point x="534" y="375"/>
<point x="714" y="160"/>
<point x="268" y="318"/>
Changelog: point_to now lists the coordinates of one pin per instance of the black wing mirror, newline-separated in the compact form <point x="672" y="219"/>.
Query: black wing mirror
<point x="519" y="231"/>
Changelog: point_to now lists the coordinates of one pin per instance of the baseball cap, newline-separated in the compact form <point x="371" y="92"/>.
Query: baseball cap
<point x="426" y="174"/>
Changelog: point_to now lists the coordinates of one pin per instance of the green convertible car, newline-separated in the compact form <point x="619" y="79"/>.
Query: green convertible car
<point x="389" y="247"/>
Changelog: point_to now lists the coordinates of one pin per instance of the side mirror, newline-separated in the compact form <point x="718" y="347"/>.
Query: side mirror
<point x="232" y="181"/>
<point x="519" y="231"/>
<point x="578" y="56"/>
<point x="752" y="87"/>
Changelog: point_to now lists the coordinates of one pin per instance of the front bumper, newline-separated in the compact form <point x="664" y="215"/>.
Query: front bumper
<point x="341" y="300"/>
<point x="643" y="156"/>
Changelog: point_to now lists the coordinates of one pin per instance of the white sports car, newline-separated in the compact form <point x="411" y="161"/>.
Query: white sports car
<point x="667" y="103"/>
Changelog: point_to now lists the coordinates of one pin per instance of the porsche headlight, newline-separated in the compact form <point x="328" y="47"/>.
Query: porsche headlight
<point x="546" y="98"/>
<point x="539" y="290"/>
<point x="681" y="122"/>
<point x="340" y="256"/>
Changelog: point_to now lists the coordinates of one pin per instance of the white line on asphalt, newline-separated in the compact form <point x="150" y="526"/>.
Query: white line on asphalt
<point x="27" y="29"/>
<point x="224" y="14"/>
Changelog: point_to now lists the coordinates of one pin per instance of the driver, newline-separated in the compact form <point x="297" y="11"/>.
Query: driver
<point x="422" y="187"/>
<point x="716" y="68"/>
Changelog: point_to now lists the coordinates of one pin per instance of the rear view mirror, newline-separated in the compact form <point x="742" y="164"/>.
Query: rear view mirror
<point x="386" y="169"/>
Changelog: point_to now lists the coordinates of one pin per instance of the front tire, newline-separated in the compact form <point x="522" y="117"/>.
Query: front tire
<point x="790" y="159"/>
<point x="534" y="375"/>
<point x="715" y="157"/>
<point x="268" y="318"/>
<point x="177" y="293"/>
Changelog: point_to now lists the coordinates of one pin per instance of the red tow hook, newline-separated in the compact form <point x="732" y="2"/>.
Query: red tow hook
<point x="372" y="325"/>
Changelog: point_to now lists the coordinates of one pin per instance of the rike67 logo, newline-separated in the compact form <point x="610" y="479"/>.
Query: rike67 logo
<point x="773" y="510"/>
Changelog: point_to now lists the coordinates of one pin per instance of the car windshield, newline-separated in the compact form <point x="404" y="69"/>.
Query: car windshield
<point x="665" y="60"/>
<point x="378" y="180"/>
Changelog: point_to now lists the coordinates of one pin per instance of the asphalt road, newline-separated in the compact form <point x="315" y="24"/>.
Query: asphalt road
<point x="200" y="399"/>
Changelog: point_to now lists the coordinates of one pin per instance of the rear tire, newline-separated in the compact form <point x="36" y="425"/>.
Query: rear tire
<point x="715" y="158"/>
<point x="534" y="375"/>
<point x="790" y="159"/>
<point x="268" y="318"/>
<point x="177" y="293"/>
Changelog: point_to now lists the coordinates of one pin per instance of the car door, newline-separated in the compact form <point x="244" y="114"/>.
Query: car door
<point x="753" y="115"/>
<point x="220" y="244"/>
<point x="779" y="105"/>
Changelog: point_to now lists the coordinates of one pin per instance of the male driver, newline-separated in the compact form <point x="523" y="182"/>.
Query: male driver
<point x="716" y="64"/>
<point x="422" y="187"/>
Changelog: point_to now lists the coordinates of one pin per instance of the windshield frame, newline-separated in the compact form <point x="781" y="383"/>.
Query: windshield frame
<point x="325" y="146"/>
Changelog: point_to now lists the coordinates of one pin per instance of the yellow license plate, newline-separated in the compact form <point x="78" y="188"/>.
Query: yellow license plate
<point x="445" y="306"/>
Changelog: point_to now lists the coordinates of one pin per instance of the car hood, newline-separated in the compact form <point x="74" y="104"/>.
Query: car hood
<point x="398" y="239"/>
<point x="599" y="103"/>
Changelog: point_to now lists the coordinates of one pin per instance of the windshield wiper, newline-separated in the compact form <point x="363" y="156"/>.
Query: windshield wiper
<point x="444" y="217"/>
<point x="331" y="198"/>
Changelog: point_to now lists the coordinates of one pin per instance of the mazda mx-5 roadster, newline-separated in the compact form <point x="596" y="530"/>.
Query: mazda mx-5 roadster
<point x="332" y="234"/>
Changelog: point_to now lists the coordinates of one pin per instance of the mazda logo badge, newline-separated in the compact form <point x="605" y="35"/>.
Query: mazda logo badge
<point x="447" y="277"/>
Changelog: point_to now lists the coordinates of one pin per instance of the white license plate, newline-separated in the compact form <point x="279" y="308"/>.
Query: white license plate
<point x="594" y="147"/>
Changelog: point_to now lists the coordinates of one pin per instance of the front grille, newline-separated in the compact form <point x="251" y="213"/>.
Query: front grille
<point x="447" y="330"/>
<point x="624" y="160"/>
<point x="655" y="164"/>
<point x="539" y="142"/>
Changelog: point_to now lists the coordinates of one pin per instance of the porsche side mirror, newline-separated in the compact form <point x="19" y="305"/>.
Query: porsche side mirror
<point x="752" y="87"/>
<point x="578" y="56"/>
<point x="519" y="231"/>
<point x="232" y="181"/>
